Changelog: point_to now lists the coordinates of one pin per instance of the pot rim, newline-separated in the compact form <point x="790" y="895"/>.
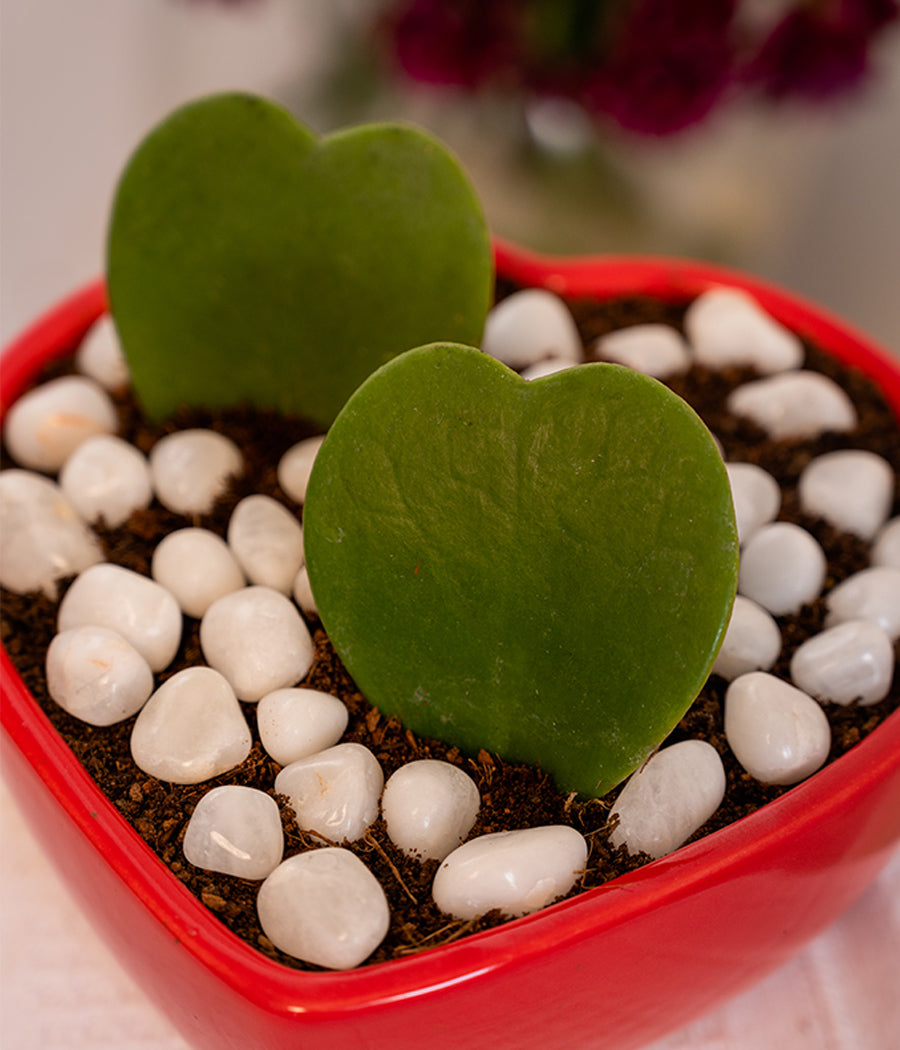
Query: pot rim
<point x="679" y="875"/>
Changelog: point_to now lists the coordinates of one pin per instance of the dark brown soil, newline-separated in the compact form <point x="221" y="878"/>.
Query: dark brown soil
<point x="512" y="795"/>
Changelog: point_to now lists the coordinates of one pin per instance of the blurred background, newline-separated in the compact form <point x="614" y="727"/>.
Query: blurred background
<point x="761" y="133"/>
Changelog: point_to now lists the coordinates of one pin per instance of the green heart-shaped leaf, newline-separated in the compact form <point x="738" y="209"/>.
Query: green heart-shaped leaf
<point x="542" y="569"/>
<point x="249" y="260"/>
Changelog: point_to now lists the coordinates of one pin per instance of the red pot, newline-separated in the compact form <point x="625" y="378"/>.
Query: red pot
<point x="615" y="967"/>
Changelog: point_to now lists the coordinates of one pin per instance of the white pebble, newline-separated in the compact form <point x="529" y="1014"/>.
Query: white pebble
<point x="302" y="592"/>
<point x="429" y="807"/>
<point x="191" y="468"/>
<point x="267" y="541"/>
<point x="794" y="405"/>
<point x="44" y="537"/>
<point x="144" y="613"/>
<point x="334" y="793"/>
<point x="548" y="367"/>
<point x="655" y="349"/>
<point x="191" y="729"/>
<point x="778" y="733"/>
<point x="851" y="489"/>
<point x="872" y="594"/>
<point x="782" y="568"/>
<point x="297" y="723"/>
<point x="100" y="355"/>
<point x="529" y="326"/>
<point x="324" y="907"/>
<point x="97" y="676"/>
<point x="752" y="641"/>
<point x="886" y="548"/>
<point x="853" y="661"/>
<point x="295" y="467"/>
<point x="515" y="872"/>
<point x="45" y="426"/>
<point x="728" y="328"/>
<point x="235" y="830"/>
<point x="107" y="478"/>
<point x="669" y="798"/>
<point x="756" y="496"/>
<point x="258" y="640"/>
<point x="198" y="567"/>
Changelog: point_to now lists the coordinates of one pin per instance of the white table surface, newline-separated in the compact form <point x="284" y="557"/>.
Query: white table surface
<point x="61" y="989"/>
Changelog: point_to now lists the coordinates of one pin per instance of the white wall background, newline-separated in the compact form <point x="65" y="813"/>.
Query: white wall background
<point x="812" y="196"/>
<point x="81" y="82"/>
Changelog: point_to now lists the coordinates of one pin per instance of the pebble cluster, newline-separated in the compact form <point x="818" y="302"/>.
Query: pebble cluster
<point x="776" y="729"/>
<point x="117" y="630"/>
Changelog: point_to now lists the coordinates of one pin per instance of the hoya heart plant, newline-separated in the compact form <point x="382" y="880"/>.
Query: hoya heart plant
<point x="251" y="261"/>
<point x="543" y="568"/>
<point x="540" y="569"/>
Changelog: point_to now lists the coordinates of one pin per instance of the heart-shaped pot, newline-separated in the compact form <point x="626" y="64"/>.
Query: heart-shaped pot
<point x="614" y="967"/>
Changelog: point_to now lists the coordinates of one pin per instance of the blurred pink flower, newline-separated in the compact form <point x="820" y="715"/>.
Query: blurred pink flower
<point x="466" y="43"/>
<point x="653" y="66"/>
<point x="668" y="66"/>
<point x="820" y="51"/>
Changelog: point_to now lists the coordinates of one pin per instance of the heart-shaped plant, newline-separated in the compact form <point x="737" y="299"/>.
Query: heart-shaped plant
<point x="249" y="260"/>
<point x="543" y="569"/>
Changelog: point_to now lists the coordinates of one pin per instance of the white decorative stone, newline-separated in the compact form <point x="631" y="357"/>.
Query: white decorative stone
<point x="655" y="349"/>
<point x="728" y="328"/>
<point x="548" y="367"/>
<point x="191" y="729"/>
<point x="45" y="426"/>
<point x="752" y="641"/>
<point x="794" y="405"/>
<point x="297" y="723"/>
<point x="670" y="797"/>
<point x="98" y="677"/>
<point x="514" y="872"/>
<point x="756" y="496"/>
<point x="782" y="568"/>
<point x="258" y="640"/>
<point x="135" y="606"/>
<point x="267" y="541"/>
<point x="191" y="468"/>
<point x="295" y="467"/>
<point x="324" y="907"/>
<point x="778" y="733"/>
<point x="852" y="489"/>
<point x="235" y="830"/>
<point x="106" y="478"/>
<point x="198" y="567"/>
<point x="42" y="537"/>
<point x="302" y="592"/>
<point x="873" y="594"/>
<point x="529" y="326"/>
<point x="429" y="807"/>
<point x="852" y="661"/>
<point x="100" y="356"/>
<point x="334" y="793"/>
<point x="886" y="547"/>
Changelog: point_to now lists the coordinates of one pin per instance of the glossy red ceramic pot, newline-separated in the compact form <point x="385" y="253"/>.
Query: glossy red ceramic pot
<point x="613" y="968"/>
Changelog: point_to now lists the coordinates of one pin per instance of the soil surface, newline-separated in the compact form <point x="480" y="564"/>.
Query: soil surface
<point x="512" y="795"/>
